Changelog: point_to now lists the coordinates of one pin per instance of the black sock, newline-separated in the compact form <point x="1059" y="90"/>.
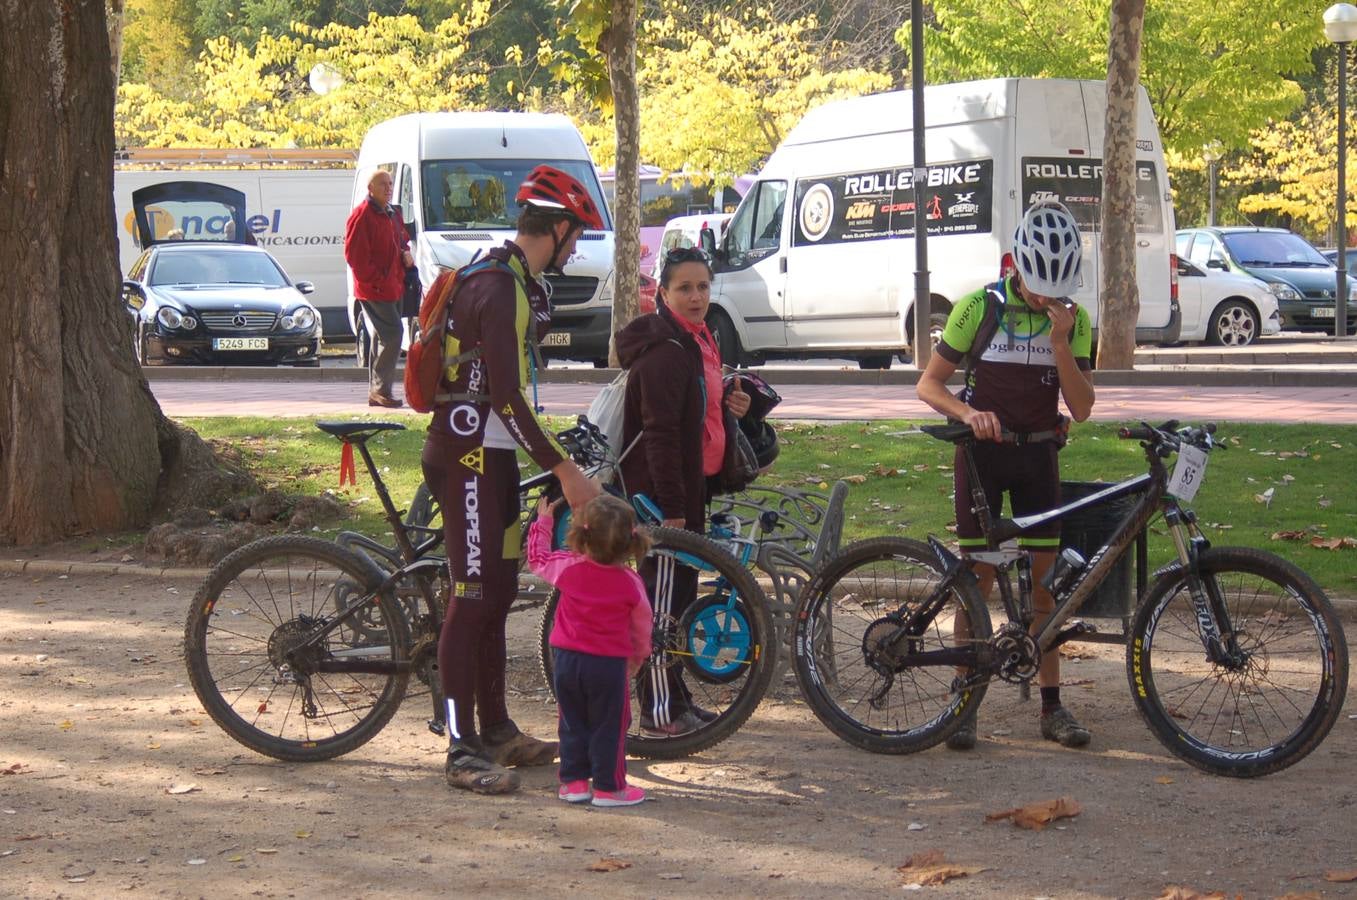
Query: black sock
<point x="1050" y="699"/>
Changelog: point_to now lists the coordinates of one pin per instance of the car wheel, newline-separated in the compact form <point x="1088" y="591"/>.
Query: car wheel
<point x="362" y="341"/>
<point x="600" y="363"/>
<point x="876" y="361"/>
<point x="727" y="341"/>
<point x="1233" y="324"/>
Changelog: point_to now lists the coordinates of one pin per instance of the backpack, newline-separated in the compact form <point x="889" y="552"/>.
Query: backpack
<point x="424" y="361"/>
<point x="607" y="410"/>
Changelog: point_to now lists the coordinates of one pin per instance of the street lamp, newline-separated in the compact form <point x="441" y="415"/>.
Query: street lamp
<point x="324" y="79"/>
<point x="1340" y="26"/>
<point x="1211" y="153"/>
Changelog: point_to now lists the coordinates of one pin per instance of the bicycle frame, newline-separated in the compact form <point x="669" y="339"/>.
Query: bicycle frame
<point x="1213" y="619"/>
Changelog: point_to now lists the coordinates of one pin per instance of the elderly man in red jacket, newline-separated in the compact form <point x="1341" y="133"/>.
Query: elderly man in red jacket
<point x="377" y="249"/>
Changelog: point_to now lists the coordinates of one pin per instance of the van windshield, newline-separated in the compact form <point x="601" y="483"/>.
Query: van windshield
<point x="1273" y="248"/>
<point x="479" y="193"/>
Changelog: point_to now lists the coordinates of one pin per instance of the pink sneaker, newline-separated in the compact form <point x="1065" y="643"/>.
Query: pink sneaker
<point x="575" y="792"/>
<point x="628" y="796"/>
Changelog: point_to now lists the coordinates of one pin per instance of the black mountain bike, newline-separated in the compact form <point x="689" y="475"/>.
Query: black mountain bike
<point x="302" y="649"/>
<point x="1235" y="657"/>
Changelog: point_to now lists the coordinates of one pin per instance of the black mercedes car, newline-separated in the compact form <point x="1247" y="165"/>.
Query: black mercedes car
<point x="199" y="295"/>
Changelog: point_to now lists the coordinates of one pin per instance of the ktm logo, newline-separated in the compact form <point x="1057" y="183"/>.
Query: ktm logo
<point x="860" y="210"/>
<point x="475" y="460"/>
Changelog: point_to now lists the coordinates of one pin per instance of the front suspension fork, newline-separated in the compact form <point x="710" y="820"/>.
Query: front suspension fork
<point x="1214" y="628"/>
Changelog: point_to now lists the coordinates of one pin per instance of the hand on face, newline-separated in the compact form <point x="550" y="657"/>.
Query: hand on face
<point x="1062" y="320"/>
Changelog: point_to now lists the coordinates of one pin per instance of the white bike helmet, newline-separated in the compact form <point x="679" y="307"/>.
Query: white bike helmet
<point x="1047" y="249"/>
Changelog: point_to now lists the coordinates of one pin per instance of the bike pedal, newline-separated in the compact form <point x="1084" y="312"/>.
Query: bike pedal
<point x="438" y="727"/>
<point x="1075" y="629"/>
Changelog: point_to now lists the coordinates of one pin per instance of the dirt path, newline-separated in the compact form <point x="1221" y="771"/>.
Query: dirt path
<point x="98" y="725"/>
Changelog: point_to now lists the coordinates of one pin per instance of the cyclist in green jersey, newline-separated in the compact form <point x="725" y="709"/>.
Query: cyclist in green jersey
<point x="1037" y="356"/>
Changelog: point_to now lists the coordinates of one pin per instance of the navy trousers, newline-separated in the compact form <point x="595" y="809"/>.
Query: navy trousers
<point x="594" y="713"/>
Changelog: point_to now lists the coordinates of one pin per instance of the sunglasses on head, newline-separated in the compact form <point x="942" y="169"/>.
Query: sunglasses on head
<point x="686" y="254"/>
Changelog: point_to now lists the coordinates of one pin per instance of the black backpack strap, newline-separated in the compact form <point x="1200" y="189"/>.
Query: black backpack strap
<point x="995" y="300"/>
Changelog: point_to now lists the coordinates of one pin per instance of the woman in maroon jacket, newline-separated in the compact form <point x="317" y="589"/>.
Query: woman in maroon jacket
<point x="674" y="400"/>
<point x="377" y="249"/>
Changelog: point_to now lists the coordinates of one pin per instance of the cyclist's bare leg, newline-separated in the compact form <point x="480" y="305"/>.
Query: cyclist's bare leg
<point x="1042" y="605"/>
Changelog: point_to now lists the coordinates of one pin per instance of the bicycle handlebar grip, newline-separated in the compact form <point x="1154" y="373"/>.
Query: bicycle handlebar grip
<point x="1136" y="433"/>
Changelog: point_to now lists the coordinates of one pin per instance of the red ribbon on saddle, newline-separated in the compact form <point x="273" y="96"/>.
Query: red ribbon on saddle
<point x="346" y="467"/>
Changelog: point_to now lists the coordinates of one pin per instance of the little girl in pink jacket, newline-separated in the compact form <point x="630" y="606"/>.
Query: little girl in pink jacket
<point x="600" y="638"/>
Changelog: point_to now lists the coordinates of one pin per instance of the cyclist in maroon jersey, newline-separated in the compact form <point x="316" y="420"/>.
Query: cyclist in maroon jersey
<point x="482" y="413"/>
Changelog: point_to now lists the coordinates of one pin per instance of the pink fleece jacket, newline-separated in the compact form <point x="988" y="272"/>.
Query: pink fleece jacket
<point x="603" y="610"/>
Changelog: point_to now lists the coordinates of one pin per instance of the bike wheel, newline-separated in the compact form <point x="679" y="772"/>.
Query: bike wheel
<point x="726" y="645"/>
<point x="849" y="681"/>
<point x="258" y="604"/>
<point x="1268" y="709"/>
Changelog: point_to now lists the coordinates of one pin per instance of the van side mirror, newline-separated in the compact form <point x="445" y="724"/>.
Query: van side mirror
<point x="132" y="295"/>
<point x="305" y="287"/>
<point x="707" y="239"/>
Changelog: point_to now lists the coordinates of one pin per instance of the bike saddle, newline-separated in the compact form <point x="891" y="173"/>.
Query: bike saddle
<point x="357" y="430"/>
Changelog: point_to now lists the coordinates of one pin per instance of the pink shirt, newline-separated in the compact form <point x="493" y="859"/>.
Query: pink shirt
<point x="603" y="610"/>
<point x="714" y="423"/>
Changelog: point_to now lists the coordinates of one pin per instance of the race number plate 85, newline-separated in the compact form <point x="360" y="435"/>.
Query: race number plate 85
<point x="1187" y="474"/>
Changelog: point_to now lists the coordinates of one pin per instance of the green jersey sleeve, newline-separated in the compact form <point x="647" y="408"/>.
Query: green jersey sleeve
<point x="1081" y="336"/>
<point x="962" y="324"/>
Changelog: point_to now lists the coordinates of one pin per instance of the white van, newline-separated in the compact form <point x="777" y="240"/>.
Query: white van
<point x="456" y="175"/>
<point x="297" y="214"/>
<point x="831" y="273"/>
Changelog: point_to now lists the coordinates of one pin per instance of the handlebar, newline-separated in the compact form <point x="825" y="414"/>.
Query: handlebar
<point x="1169" y="436"/>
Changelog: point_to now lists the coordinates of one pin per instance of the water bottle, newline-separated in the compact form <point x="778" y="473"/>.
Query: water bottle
<point x="1068" y="564"/>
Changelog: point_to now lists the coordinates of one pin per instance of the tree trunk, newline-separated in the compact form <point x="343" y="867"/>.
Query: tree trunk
<point x="116" y="10"/>
<point x="83" y="444"/>
<point x="620" y="44"/>
<point x="1119" y="297"/>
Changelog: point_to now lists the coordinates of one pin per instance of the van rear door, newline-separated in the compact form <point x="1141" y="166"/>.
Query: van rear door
<point x="1154" y="210"/>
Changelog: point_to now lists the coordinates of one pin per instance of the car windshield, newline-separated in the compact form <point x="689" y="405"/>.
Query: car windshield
<point x="479" y="193"/>
<point x="208" y="265"/>
<point x="1273" y="248"/>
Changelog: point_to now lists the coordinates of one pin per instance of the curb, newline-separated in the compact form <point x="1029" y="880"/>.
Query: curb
<point x="1149" y="375"/>
<point x="1345" y="608"/>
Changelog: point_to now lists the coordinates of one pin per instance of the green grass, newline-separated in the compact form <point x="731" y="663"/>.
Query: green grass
<point x="903" y="481"/>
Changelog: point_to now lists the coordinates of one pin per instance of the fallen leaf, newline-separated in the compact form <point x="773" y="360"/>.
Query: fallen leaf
<point x="236" y="858"/>
<point x="1341" y="875"/>
<point x="931" y="867"/>
<point x="1163" y="779"/>
<point x="263" y="707"/>
<point x="267" y="851"/>
<point x="855" y="479"/>
<point x="152" y="746"/>
<point x="1342" y="543"/>
<point x="608" y="864"/>
<point x="182" y="789"/>
<point x="1265" y="498"/>
<point x="209" y="771"/>
<point x="1178" y="892"/>
<point x="1290" y="535"/>
<point x="197" y="861"/>
<point x="66" y="725"/>
<point x="1036" y="816"/>
<point x="303" y="834"/>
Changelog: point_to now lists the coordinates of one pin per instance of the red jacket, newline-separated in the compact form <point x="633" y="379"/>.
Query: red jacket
<point x="373" y="241"/>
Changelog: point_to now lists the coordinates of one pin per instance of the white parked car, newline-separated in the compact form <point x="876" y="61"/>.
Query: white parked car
<point x="1226" y="308"/>
<point x="686" y="231"/>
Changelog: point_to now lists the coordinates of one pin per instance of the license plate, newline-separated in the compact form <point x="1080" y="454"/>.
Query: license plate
<point x="557" y="339"/>
<point x="1322" y="312"/>
<point x="240" y="343"/>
